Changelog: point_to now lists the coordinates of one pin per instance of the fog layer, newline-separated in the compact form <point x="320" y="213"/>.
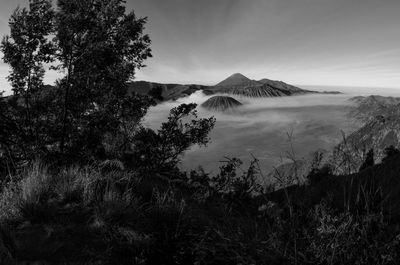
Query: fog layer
<point x="262" y="126"/>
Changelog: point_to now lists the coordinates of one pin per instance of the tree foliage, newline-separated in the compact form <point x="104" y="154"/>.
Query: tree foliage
<point x="97" y="46"/>
<point x="100" y="47"/>
<point x="27" y="49"/>
<point x="161" y="151"/>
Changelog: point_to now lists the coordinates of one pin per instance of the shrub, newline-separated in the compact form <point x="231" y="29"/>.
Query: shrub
<point x="100" y="187"/>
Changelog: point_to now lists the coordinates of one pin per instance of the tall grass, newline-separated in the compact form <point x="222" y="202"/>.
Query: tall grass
<point x="36" y="183"/>
<point x="102" y="213"/>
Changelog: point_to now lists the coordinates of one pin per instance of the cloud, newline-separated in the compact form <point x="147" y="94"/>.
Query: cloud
<point x="260" y="126"/>
<point x="302" y="42"/>
<point x="317" y="42"/>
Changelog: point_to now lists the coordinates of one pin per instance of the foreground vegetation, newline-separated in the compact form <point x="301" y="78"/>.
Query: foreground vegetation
<point x="84" y="182"/>
<point x="105" y="214"/>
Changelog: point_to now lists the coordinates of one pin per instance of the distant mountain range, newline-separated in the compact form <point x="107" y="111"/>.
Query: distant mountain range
<point x="236" y="84"/>
<point x="168" y="91"/>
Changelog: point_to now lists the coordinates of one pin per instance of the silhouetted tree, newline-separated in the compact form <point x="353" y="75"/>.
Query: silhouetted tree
<point x="100" y="47"/>
<point x="88" y="114"/>
<point x="26" y="50"/>
<point x="161" y="151"/>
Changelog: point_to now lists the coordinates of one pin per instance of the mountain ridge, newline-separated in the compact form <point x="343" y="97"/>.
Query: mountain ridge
<point x="238" y="84"/>
<point x="235" y="84"/>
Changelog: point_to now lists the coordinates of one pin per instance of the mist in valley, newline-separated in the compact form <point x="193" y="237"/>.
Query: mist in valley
<point x="267" y="128"/>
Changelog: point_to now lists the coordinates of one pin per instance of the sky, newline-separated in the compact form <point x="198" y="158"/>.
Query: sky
<point x="302" y="42"/>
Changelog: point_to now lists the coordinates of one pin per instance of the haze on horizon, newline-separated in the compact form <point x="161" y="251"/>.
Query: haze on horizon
<point x="302" y="42"/>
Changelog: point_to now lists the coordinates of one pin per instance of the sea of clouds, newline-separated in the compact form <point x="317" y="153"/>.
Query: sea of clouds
<point x="267" y="127"/>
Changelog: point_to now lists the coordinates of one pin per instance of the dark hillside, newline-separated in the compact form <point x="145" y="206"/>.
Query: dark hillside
<point x="168" y="91"/>
<point x="379" y="186"/>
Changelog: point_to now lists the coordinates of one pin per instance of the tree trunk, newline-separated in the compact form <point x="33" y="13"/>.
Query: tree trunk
<point x="65" y="109"/>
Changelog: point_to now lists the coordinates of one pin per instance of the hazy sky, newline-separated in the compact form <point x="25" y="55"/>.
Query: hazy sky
<point x="303" y="42"/>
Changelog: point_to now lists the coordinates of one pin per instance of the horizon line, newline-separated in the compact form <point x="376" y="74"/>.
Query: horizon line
<point x="293" y="84"/>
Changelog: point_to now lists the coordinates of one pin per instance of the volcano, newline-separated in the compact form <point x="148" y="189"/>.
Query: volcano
<point x="238" y="84"/>
<point x="221" y="103"/>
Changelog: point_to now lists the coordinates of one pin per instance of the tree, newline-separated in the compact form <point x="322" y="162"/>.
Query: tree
<point x="88" y="114"/>
<point x="27" y="47"/>
<point x="26" y="50"/>
<point x="100" y="47"/>
<point x="161" y="151"/>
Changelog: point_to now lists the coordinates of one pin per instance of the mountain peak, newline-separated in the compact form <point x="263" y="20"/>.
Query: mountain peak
<point x="239" y="75"/>
<point x="235" y="80"/>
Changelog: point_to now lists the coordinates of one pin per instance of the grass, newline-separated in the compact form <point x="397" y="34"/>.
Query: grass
<point x="36" y="183"/>
<point x="99" y="214"/>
